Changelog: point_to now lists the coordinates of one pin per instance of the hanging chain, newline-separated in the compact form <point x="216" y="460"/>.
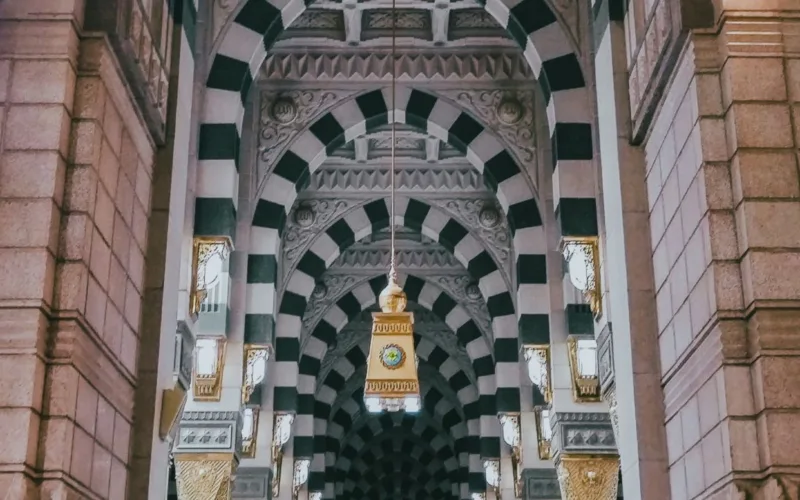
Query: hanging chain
<point x="392" y="271"/>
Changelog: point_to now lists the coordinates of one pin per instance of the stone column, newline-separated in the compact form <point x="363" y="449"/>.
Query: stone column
<point x="724" y="188"/>
<point x="628" y="362"/>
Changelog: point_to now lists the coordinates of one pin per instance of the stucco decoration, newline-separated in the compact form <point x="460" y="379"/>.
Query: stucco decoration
<point x="284" y="115"/>
<point x="508" y="113"/>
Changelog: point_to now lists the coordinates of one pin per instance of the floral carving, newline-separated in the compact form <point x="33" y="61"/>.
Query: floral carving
<point x="306" y="222"/>
<point x="493" y="231"/>
<point x="274" y="137"/>
<point x="519" y="135"/>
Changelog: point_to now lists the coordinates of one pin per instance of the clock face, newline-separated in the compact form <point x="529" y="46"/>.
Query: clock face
<point x="393" y="356"/>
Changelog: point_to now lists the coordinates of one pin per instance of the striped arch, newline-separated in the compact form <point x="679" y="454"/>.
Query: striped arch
<point x="257" y="24"/>
<point x="351" y="425"/>
<point x="440" y="119"/>
<point x="498" y="383"/>
<point x="419" y="216"/>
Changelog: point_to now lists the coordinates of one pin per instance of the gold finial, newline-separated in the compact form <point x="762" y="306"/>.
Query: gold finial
<point x="393" y="299"/>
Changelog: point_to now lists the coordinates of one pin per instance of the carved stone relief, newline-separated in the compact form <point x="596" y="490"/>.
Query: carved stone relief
<point x="284" y="115"/>
<point x="307" y="221"/>
<point x="510" y="114"/>
<point x="583" y="433"/>
<point x="403" y="19"/>
<point x="373" y="66"/>
<point x="318" y="19"/>
<point x="472" y="18"/>
<point x="209" y="431"/>
<point x="407" y="180"/>
<point x="483" y="217"/>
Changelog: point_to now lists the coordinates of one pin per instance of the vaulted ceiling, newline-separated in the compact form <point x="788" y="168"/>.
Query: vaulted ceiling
<point x="454" y="241"/>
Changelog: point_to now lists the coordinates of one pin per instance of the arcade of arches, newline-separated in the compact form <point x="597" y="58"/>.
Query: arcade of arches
<point x="596" y="221"/>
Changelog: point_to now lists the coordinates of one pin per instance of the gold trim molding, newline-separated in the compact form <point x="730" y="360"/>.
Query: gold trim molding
<point x="204" y="476"/>
<point x="588" y="477"/>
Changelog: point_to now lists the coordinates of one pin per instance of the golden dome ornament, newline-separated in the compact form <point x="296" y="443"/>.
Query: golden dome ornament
<point x="391" y="383"/>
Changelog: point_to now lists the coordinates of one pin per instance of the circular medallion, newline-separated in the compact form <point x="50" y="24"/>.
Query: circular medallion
<point x="473" y="292"/>
<point x="393" y="356"/>
<point x="304" y="216"/>
<point x="509" y="111"/>
<point x="320" y="291"/>
<point x="489" y="218"/>
<point x="284" y="110"/>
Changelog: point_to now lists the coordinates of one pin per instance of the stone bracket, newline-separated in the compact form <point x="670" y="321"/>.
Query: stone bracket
<point x="582" y="433"/>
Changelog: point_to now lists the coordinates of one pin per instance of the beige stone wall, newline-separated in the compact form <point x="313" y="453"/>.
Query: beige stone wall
<point x="724" y="193"/>
<point x="75" y="180"/>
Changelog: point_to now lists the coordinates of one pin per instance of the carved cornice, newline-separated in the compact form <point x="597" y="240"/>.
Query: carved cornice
<point x="408" y="180"/>
<point x="369" y="261"/>
<point x="411" y="67"/>
<point x="582" y="433"/>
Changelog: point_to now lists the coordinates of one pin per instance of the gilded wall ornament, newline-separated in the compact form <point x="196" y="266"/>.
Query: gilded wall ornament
<point x="392" y="356"/>
<point x="304" y="216"/>
<point x="509" y="111"/>
<point x="489" y="217"/>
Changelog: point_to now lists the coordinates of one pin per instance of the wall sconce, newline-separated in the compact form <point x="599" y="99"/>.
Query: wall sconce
<point x="491" y="469"/>
<point x="249" y="431"/>
<point x="300" y="476"/>
<point x="583" y="262"/>
<point x="281" y="432"/>
<point x="537" y="358"/>
<point x="255" y="369"/>
<point x="512" y="435"/>
<point x="207" y="371"/>
<point x="544" y="433"/>
<point x="582" y="351"/>
<point x="208" y="261"/>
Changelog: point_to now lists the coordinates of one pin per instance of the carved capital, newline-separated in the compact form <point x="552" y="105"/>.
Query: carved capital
<point x="587" y="477"/>
<point x="375" y="67"/>
<point x="610" y="397"/>
<point x="583" y="433"/>
<point x="210" y="432"/>
<point x="204" y="476"/>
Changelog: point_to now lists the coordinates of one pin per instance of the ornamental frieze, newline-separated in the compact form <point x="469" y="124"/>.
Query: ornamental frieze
<point x="411" y="67"/>
<point x="407" y="180"/>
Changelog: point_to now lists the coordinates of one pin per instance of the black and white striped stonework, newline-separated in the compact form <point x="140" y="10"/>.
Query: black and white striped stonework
<point x="365" y="295"/>
<point x="411" y="213"/>
<point x="395" y="468"/>
<point x="546" y="46"/>
<point x="419" y="216"/>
